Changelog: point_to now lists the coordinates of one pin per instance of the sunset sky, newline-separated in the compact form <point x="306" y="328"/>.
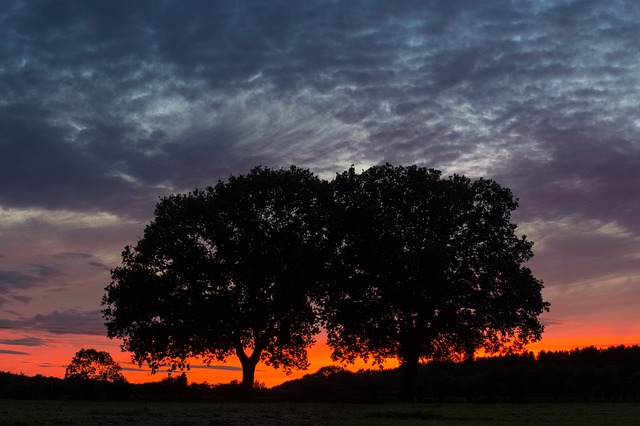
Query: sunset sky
<point x="105" y="106"/>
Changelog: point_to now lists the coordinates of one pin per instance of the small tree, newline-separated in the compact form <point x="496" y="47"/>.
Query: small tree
<point x="427" y="268"/>
<point x="90" y="364"/>
<point x="224" y="271"/>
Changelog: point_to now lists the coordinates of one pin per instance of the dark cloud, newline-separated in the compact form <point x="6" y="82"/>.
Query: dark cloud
<point x="54" y="273"/>
<point x="15" y="279"/>
<point x="215" y="367"/>
<point x="139" y="96"/>
<point x="107" y="106"/>
<point x="67" y="255"/>
<point x="133" y="369"/>
<point x="548" y="322"/>
<point x="50" y="365"/>
<point x="586" y="177"/>
<point x="9" y="352"/>
<point x="68" y="321"/>
<point x="37" y="275"/>
<point x="81" y="257"/>
<point x="196" y="367"/>
<point x="14" y="297"/>
<point x="26" y="341"/>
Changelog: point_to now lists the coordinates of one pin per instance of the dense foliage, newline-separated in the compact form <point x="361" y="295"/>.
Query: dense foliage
<point x="90" y="364"/>
<point x="395" y="262"/>
<point x="427" y="268"/>
<point x="224" y="271"/>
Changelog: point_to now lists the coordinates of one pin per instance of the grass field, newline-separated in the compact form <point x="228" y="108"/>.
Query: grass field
<point x="266" y="414"/>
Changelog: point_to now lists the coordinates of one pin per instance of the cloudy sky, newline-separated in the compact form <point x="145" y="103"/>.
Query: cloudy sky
<point x="107" y="105"/>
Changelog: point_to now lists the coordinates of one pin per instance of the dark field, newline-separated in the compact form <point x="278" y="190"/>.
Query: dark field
<point x="22" y="412"/>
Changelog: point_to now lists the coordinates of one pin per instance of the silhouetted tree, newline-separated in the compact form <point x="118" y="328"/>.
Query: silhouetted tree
<point x="90" y="364"/>
<point x="221" y="271"/>
<point x="427" y="268"/>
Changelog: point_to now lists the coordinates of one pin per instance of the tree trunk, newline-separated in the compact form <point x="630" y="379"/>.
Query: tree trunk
<point x="248" y="370"/>
<point x="409" y="376"/>
<point x="248" y="376"/>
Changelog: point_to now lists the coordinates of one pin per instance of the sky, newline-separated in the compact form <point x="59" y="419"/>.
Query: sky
<point x="105" y="106"/>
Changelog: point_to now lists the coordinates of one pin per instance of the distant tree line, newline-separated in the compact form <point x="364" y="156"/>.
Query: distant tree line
<point x="172" y="388"/>
<point x="588" y="374"/>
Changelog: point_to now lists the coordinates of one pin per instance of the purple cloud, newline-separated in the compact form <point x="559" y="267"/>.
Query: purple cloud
<point x="9" y="352"/>
<point x="108" y="106"/>
<point x="26" y="341"/>
<point x="68" y="321"/>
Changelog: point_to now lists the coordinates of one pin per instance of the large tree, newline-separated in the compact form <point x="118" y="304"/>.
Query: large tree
<point x="223" y="271"/>
<point x="427" y="268"/>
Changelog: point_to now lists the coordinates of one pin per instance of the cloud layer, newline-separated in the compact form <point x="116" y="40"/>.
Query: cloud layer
<point x="106" y="106"/>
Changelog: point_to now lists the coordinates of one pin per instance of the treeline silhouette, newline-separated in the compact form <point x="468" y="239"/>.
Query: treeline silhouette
<point x="588" y="374"/>
<point x="177" y="388"/>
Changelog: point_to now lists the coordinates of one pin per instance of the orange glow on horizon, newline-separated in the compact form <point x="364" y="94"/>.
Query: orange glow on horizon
<point x="319" y="356"/>
<point x="569" y="343"/>
<point x="52" y="359"/>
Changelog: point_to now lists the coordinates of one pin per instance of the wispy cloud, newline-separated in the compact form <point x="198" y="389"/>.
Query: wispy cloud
<point x="13" y="284"/>
<point x="26" y="341"/>
<point x="9" y="352"/>
<point x="216" y="367"/>
<point x="60" y="322"/>
<point x="107" y="106"/>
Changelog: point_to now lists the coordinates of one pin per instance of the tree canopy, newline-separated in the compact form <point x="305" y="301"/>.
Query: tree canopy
<point x="395" y="262"/>
<point x="90" y="364"/>
<point x="426" y="268"/>
<point x="222" y="271"/>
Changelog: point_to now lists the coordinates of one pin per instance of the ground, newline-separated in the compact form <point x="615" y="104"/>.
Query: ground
<point x="97" y="413"/>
